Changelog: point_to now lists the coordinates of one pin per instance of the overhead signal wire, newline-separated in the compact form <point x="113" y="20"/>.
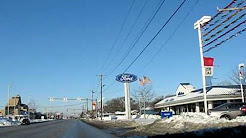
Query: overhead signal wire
<point x="155" y="36"/>
<point x="141" y="33"/>
<point x="171" y="36"/>
<point x="223" y="16"/>
<point x="214" y="17"/>
<point x="227" y="26"/>
<point x="225" y="33"/>
<point x="220" y="43"/>
<point x="233" y="15"/>
<point x="117" y="37"/>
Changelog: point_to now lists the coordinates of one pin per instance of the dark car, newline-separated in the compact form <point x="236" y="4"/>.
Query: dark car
<point x="25" y="121"/>
<point x="229" y="110"/>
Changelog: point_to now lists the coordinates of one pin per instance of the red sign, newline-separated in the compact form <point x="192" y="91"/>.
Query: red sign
<point x="208" y="61"/>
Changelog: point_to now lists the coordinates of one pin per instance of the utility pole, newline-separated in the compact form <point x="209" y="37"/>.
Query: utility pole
<point x="8" y="96"/>
<point x="87" y="105"/>
<point x="198" y="26"/>
<point x="101" y="82"/>
<point x="92" y="99"/>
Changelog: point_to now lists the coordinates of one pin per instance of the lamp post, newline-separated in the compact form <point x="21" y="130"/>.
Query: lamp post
<point x="198" y="26"/>
<point x="240" y="69"/>
<point x="8" y="96"/>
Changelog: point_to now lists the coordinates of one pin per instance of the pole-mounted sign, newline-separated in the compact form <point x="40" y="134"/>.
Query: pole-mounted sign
<point x="127" y="78"/>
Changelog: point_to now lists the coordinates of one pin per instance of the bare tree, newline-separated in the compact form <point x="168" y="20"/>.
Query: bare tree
<point x="224" y="83"/>
<point x="235" y="76"/>
<point x="118" y="104"/>
<point x="144" y="95"/>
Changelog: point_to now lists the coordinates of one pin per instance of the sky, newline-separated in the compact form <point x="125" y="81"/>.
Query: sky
<point x="56" y="48"/>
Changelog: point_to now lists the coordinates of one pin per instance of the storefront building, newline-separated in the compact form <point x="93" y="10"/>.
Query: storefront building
<point x="189" y="99"/>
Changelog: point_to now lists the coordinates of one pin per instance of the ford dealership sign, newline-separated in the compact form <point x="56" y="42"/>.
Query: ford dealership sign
<point x="126" y="78"/>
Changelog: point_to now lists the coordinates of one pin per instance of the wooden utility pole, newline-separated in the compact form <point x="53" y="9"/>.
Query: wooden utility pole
<point x="101" y="82"/>
<point x="92" y="99"/>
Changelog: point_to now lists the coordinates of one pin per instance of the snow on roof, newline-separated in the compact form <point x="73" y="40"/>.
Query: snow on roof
<point x="211" y="91"/>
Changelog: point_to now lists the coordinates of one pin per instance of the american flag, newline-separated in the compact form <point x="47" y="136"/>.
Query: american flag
<point x="144" y="80"/>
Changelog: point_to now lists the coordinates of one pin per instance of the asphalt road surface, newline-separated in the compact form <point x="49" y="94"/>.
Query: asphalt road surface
<point x="54" y="129"/>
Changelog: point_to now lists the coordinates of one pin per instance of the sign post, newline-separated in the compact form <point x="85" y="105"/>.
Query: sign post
<point x="126" y="79"/>
<point x="240" y="68"/>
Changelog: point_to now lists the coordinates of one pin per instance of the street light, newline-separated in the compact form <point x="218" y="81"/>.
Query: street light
<point x="240" y="66"/>
<point x="8" y="96"/>
<point x="198" y="25"/>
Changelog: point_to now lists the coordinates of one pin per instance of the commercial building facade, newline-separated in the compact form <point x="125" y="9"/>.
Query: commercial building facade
<point x="189" y="99"/>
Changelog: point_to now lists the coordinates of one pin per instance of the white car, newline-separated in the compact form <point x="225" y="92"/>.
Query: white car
<point x="8" y="122"/>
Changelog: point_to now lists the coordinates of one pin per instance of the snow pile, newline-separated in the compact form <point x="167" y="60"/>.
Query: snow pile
<point x="150" y="116"/>
<point x="186" y="122"/>
<point x="192" y="118"/>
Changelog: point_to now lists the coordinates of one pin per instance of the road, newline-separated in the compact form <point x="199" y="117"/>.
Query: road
<point x="54" y="129"/>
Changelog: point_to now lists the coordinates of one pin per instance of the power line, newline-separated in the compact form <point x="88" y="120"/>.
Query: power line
<point x="139" y="36"/>
<point x="114" y="43"/>
<point x="128" y="34"/>
<point x="225" y="27"/>
<point x="223" y="16"/>
<point x="155" y="36"/>
<point x="121" y="28"/>
<point x="229" y="5"/>
<point x="233" y="15"/>
<point x="220" y="43"/>
<point x="171" y="36"/>
<point x="142" y="32"/>
<point x="225" y="33"/>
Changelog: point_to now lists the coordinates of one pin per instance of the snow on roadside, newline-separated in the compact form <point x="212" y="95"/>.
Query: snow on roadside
<point x="186" y="122"/>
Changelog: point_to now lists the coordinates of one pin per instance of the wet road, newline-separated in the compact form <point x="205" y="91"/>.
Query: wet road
<point x="54" y="129"/>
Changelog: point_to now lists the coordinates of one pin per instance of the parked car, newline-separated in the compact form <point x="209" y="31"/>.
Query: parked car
<point x="8" y="122"/>
<point x="25" y="121"/>
<point x="228" y="110"/>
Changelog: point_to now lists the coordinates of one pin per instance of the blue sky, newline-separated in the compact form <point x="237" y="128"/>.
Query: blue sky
<point x="55" y="48"/>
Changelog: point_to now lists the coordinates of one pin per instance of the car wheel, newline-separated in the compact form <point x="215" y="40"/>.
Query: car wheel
<point x="227" y="117"/>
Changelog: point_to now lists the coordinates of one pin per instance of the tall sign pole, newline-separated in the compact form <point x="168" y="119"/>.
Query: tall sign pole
<point x="127" y="100"/>
<point x="101" y="82"/>
<point x="240" y="69"/>
<point x="126" y="79"/>
<point x="198" y="26"/>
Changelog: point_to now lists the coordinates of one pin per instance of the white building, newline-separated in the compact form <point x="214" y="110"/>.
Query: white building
<point x="189" y="99"/>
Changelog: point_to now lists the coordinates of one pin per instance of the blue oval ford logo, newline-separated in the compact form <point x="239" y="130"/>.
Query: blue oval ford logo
<point x="126" y="78"/>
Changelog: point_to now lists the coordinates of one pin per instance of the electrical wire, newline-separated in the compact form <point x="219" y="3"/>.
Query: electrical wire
<point x="170" y="37"/>
<point x="214" y="17"/>
<point x="155" y="36"/>
<point x="233" y="15"/>
<point x="220" y="43"/>
<point x="142" y="32"/>
<point x="225" y="27"/>
<point x="223" y="16"/>
<point x="225" y="33"/>
<point x="128" y="34"/>
<point x="137" y="39"/>
<point x="117" y="37"/>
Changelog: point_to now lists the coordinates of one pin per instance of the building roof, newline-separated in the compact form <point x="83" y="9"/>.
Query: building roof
<point x="213" y="93"/>
<point x="15" y="101"/>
